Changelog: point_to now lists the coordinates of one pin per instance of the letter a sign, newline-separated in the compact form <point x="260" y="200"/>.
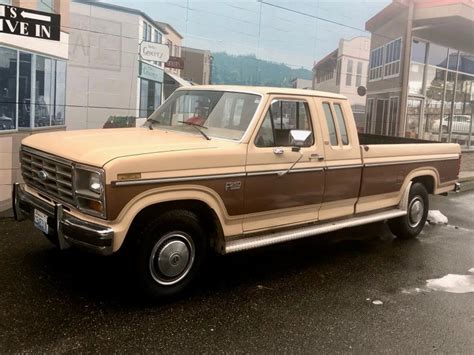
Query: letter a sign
<point x="31" y="23"/>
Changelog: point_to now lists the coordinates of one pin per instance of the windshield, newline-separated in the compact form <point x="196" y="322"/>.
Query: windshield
<point x="224" y="114"/>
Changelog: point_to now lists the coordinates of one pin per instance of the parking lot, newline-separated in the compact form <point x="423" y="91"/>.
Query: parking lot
<point x="355" y="291"/>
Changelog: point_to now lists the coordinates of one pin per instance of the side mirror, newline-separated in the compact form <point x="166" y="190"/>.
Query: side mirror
<point x="298" y="137"/>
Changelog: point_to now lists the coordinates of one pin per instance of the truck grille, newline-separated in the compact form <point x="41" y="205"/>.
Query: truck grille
<point x="51" y="176"/>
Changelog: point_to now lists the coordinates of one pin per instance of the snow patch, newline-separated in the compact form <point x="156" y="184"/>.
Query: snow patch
<point x="377" y="302"/>
<point x="471" y="270"/>
<point x="436" y="217"/>
<point x="452" y="283"/>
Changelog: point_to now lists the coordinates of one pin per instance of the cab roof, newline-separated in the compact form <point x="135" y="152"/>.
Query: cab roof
<point x="263" y="90"/>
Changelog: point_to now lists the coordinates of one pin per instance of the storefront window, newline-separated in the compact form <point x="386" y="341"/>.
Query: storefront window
<point x="24" y="94"/>
<point x="60" y="103"/>
<point x="418" y="51"/>
<point x="435" y="82"/>
<point x="150" y="97"/>
<point x="437" y="55"/>
<point x="46" y="5"/>
<point x="466" y="63"/>
<point x="415" y="84"/>
<point x="413" y="117"/>
<point x="8" y="83"/>
<point x="453" y="59"/>
<point x="44" y="93"/>
<point x="462" y="110"/>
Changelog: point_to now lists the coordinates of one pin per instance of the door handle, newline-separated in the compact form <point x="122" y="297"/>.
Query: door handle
<point x="316" y="157"/>
<point x="278" y="150"/>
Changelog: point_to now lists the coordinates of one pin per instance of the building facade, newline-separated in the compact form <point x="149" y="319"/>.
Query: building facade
<point x="343" y="71"/>
<point x="197" y="65"/>
<point x="421" y="75"/>
<point x="107" y="79"/>
<point x="32" y="88"/>
<point x="298" y="83"/>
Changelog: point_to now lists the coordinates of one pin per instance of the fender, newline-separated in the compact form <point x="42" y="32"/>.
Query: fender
<point x="231" y="225"/>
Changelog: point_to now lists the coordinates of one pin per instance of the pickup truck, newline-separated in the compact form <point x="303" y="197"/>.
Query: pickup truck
<point x="226" y="169"/>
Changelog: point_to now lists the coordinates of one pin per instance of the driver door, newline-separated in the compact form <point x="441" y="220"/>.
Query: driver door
<point x="276" y="195"/>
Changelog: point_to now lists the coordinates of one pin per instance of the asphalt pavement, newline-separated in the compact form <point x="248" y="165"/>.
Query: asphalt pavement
<point x="358" y="290"/>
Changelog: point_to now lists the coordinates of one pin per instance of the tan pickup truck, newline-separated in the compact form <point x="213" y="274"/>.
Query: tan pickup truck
<point x="224" y="168"/>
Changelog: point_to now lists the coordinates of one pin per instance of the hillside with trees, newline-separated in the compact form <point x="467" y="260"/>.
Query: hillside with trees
<point x="248" y="70"/>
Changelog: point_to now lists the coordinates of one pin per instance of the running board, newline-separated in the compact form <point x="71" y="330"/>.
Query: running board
<point x="236" y="245"/>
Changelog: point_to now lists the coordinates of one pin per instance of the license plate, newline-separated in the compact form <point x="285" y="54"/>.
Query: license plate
<point x="41" y="221"/>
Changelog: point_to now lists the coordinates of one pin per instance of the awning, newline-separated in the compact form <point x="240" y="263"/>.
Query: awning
<point x="180" y="81"/>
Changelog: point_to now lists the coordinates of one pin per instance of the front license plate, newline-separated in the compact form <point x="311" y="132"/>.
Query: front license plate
<point x="41" y="221"/>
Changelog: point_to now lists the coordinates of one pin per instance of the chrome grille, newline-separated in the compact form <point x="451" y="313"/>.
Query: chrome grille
<point x="52" y="176"/>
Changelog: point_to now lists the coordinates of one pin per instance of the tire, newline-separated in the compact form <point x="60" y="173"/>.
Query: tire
<point x="169" y="253"/>
<point x="410" y="225"/>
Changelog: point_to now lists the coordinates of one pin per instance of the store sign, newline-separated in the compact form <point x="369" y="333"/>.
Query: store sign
<point x="150" y="72"/>
<point x="30" y="23"/>
<point x="175" y="63"/>
<point x="155" y="52"/>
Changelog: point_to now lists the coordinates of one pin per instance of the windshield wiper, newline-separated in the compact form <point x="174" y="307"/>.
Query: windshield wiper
<point x="197" y="128"/>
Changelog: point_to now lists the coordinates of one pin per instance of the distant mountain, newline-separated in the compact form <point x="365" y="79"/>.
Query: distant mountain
<point x="248" y="70"/>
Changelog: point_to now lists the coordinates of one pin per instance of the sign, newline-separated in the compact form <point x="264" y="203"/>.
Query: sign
<point x="150" y="72"/>
<point x="175" y="63"/>
<point x="31" y="23"/>
<point x="155" y="52"/>
<point x="361" y="90"/>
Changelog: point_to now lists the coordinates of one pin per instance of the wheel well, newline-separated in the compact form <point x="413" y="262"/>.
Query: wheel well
<point x="428" y="181"/>
<point x="210" y="221"/>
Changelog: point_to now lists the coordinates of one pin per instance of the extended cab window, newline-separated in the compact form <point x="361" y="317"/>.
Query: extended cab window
<point x="330" y="123"/>
<point x="342" y="124"/>
<point x="280" y="119"/>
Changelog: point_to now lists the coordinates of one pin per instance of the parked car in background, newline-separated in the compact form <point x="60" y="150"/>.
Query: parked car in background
<point x="461" y="124"/>
<point x="120" y="122"/>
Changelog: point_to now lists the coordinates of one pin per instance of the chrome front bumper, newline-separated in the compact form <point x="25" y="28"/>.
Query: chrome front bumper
<point x="457" y="187"/>
<point x="70" y="230"/>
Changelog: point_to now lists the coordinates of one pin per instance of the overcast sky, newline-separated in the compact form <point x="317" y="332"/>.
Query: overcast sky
<point x="285" y="37"/>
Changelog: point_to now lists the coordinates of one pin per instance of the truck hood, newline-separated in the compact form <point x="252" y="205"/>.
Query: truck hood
<point x="96" y="147"/>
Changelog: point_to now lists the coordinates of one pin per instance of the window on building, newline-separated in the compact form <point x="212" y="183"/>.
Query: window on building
<point x="8" y="80"/>
<point x="415" y="82"/>
<point x="5" y="2"/>
<point x="453" y="57"/>
<point x="147" y="32"/>
<point x="41" y="96"/>
<point x="349" y="72"/>
<point x="434" y="97"/>
<point x="392" y="58"/>
<point x="25" y="87"/>
<point x="380" y="115"/>
<point x="393" y="116"/>
<point x="376" y="64"/>
<point x="46" y="5"/>
<point x="466" y="63"/>
<point x="418" y="51"/>
<point x="359" y="74"/>
<point x="368" y="121"/>
<point x="284" y="116"/>
<point x="150" y="97"/>
<point x="338" y="72"/>
<point x="330" y="123"/>
<point x="437" y="55"/>
<point x="342" y="124"/>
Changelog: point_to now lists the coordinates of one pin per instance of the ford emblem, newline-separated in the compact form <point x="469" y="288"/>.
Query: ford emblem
<point x="43" y="175"/>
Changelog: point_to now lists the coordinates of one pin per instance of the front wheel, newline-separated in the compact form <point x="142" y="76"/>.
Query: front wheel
<point x="410" y="225"/>
<point x="169" y="253"/>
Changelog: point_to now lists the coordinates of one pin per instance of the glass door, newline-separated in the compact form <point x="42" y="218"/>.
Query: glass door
<point x="414" y="108"/>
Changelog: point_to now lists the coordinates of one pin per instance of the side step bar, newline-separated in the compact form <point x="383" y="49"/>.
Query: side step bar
<point x="240" y="244"/>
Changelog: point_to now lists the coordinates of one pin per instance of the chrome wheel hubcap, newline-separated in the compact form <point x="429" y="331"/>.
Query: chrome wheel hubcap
<point x="171" y="258"/>
<point x="415" y="211"/>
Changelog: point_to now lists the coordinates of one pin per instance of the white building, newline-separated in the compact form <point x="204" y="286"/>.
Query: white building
<point x="344" y="70"/>
<point x="106" y="76"/>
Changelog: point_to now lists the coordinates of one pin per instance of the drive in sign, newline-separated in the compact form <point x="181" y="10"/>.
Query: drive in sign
<point x="31" y="23"/>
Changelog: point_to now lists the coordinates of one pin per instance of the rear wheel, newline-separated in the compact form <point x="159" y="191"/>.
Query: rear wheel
<point x="169" y="253"/>
<point x="410" y="225"/>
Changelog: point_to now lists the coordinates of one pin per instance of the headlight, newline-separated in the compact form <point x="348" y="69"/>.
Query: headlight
<point x="89" y="190"/>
